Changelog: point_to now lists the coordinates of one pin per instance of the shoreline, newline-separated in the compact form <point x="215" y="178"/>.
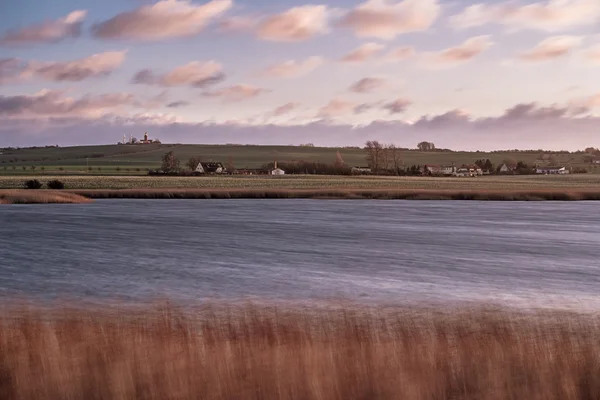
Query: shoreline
<point x="82" y="196"/>
<point x="345" y="194"/>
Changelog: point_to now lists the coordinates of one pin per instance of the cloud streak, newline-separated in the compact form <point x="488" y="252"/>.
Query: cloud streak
<point x="236" y="93"/>
<point x="97" y="65"/>
<point x="549" y="15"/>
<point x="363" y="53"/>
<point x="165" y="19"/>
<point x="551" y="48"/>
<point x="63" y="28"/>
<point x="368" y="85"/>
<point x="294" y="25"/>
<point x="53" y="103"/>
<point x="197" y="74"/>
<point x="293" y="68"/>
<point x="460" y="54"/>
<point x="387" y="19"/>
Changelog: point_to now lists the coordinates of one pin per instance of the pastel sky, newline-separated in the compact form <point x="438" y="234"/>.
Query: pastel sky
<point x="492" y="74"/>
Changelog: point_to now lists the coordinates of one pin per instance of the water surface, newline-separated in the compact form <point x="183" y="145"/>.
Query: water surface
<point x="538" y="253"/>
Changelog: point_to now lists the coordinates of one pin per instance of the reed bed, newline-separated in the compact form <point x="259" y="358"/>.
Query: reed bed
<point x="265" y="352"/>
<point x="40" y="197"/>
<point x="382" y="194"/>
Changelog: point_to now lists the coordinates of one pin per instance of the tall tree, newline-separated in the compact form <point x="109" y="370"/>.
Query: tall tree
<point x="426" y="146"/>
<point x="192" y="163"/>
<point x="395" y="157"/>
<point x="170" y="163"/>
<point x="374" y="149"/>
<point x="339" y="161"/>
<point x="230" y="166"/>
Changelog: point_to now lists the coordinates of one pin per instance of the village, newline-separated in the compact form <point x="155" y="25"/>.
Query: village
<point x="197" y="166"/>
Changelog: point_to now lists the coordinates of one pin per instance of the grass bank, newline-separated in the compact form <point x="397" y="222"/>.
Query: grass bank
<point x="263" y="352"/>
<point x="40" y="197"/>
<point x="382" y="194"/>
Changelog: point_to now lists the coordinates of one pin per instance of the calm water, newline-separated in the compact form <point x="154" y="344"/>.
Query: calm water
<point x="541" y="254"/>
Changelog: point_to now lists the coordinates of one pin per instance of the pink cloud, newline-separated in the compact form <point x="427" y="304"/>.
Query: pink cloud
<point x="367" y="85"/>
<point x="548" y="15"/>
<point x="294" y="25"/>
<point x="236" y="93"/>
<point x="163" y="20"/>
<point x="397" y="106"/>
<point x="387" y="19"/>
<point x="593" y="54"/>
<point x="551" y="48"/>
<point x="195" y="74"/>
<point x="363" y="53"/>
<point x="46" y="32"/>
<point x="293" y="68"/>
<point x="462" y="53"/>
<point x="238" y="24"/>
<point x="57" y="71"/>
<point x="53" y="103"/>
<point x="285" y="109"/>
<point x="400" y="53"/>
<point x="336" y="108"/>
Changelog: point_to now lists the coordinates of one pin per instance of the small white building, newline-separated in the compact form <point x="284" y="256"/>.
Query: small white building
<point x="276" y="170"/>
<point x="361" y="170"/>
<point x="552" y="171"/>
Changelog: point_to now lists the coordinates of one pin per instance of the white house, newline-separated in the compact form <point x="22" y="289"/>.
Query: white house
<point x="361" y="170"/>
<point x="469" y="170"/>
<point x="507" y="168"/>
<point x="552" y="170"/>
<point x="210" y="168"/>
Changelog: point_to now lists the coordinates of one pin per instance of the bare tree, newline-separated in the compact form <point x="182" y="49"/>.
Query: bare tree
<point x="339" y="161"/>
<point x="385" y="158"/>
<point x="374" y="151"/>
<point x="395" y="156"/>
<point x="230" y="166"/>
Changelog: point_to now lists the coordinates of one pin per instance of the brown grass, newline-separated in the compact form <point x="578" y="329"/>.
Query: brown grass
<point x="263" y="352"/>
<point x="40" y="196"/>
<point x="383" y="194"/>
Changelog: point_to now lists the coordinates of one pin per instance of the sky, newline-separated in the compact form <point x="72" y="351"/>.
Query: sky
<point x="494" y="74"/>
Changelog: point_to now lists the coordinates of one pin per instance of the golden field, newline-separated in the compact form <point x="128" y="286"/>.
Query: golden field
<point x="265" y="352"/>
<point x="529" y="182"/>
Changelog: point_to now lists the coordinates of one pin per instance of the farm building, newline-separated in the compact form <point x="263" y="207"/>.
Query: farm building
<point x="469" y="170"/>
<point x="210" y="168"/>
<point x="276" y="170"/>
<point x="552" y="170"/>
<point x="446" y="170"/>
<point x="361" y="170"/>
<point x="507" y="168"/>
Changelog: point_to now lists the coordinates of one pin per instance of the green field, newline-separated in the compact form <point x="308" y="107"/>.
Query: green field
<point x="530" y="182"/>
<point x="137" y="159"/>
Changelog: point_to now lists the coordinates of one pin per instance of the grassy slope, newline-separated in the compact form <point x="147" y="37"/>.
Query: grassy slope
<point x="261" y="352"/>
<point x="73" y="159"/>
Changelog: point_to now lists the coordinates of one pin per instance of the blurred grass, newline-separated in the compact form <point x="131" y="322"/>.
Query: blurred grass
<point x="40" y="197"/>
<point x="266" y="352"/>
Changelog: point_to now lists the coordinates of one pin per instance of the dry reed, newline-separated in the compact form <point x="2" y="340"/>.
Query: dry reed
<point x="40" y="196"/>
<point x="381" y="194"/>
<point x="264" y="352"/>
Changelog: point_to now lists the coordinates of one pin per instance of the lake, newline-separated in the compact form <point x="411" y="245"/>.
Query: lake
<point x="542" y="254"/>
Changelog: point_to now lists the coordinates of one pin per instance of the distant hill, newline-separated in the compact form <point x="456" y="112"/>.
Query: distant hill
<point x="139" y="158"/>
